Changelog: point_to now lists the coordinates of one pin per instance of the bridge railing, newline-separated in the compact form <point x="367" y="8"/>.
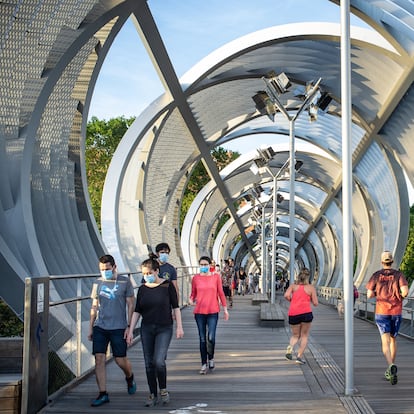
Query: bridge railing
<point x="56" y="348"/>
<point x="364" y="308"/>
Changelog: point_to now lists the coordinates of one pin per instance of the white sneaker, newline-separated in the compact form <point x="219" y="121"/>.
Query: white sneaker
<point x="211" y="364"/>
<point x="203" y="370"/>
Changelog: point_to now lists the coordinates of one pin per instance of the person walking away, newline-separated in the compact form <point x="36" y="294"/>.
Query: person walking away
<point x="167" y="270"/>
<point x="112" y="303"/>
<point x="356" y="294"/>
<point x="300" y="295"/>
<point x="242" y="278"/>
<point x="227" y="280"/>
<point x="389" y="286"/>
<point x="156" y="300"/>
<point x="207" y="294"/>
<point x="251" y="283"/>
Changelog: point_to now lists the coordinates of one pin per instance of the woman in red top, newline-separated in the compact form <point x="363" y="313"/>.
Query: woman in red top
<point x="207" y="294"/>
<point x="300" y="295"/>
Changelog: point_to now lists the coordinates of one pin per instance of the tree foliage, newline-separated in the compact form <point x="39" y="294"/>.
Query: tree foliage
<point x="200" y="177"/>
<point x="10" y="324"/>
<point x="102" y="139"/>
<point x="407" y="264"/>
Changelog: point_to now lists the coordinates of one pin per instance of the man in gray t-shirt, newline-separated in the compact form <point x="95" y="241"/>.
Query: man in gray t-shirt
<point x="113" y="303"/>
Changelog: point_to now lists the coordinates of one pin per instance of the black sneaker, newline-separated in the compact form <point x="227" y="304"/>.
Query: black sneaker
<point x="300" y="361"/>
<point x="102" y="398"/>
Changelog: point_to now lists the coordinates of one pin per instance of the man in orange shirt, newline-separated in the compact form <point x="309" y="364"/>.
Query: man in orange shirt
<point x="390" y="287"/>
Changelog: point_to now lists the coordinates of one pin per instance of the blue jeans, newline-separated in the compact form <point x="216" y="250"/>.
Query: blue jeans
<point x="206" y="325"/>
<point x="155" y="340"/>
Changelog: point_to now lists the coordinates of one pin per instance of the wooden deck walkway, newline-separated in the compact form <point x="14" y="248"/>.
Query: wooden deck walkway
<point x="253" y="376"/>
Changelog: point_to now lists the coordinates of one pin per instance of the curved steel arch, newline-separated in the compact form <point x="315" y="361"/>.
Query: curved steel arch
<point x="45" y="218"/>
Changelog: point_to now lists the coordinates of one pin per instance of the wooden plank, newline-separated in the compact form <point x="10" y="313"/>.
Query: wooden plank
<point x="259" y="298"/>
<point x="271" y="314"/>
<point x="251" y="375"/>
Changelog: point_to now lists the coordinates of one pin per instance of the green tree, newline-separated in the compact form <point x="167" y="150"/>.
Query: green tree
<point x="407" y="264"/>
<point x="200" y="177"/>
<point x="10" y="324"/>
<point x="102" y="139"/>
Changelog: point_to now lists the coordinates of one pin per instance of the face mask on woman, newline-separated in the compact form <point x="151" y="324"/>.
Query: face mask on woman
<point x="149" y="278"/>
<point x="204" y="269"/>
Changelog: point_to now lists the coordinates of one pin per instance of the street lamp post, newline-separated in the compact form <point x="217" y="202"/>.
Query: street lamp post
<point x="273" y="94"/>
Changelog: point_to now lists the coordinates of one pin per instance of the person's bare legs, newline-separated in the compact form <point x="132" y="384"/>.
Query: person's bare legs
<point x="125" y="365"/>
<point x="295" y="335"/>
<point x="100" y="371"/>
<point x="304" y="328"/>
<point x="393" y="348"/>
<point x="389" y="347"/>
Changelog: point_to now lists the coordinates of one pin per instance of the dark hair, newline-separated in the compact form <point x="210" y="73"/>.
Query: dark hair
<point x="206" y="258"/>
<point x="151" y="262"/>
<point x="107" y="258"/>
<point x="162" y="246"/>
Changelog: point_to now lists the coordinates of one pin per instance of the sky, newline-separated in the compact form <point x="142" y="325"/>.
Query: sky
<point x="192" y="29"/>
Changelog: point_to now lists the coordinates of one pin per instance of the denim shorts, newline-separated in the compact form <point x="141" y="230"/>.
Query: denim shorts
<point x="303" y="317"/>
<point x="102" y="337"/>
<point x="388" y="324"/>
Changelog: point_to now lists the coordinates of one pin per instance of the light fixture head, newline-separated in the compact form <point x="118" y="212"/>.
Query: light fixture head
<point x="280" y="83"/>
<point x="313" y="112"/>
<point x="265" y="105"/>
<point x="266" y="153"/>
<point x="298" y="165"/>
<point x="279" y="198"/>
<point x="324" y="101"/>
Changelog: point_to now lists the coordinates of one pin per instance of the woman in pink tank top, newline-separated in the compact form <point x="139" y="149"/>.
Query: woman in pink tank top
<point x="300" y="295"/>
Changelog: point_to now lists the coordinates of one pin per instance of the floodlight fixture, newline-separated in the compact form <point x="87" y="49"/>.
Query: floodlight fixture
<point x="258" y="166"/>
<point x="265" y="105"/>
<point x="298" y="165"/>
<point x="324" y="101"/>
<point x="266" y="154"/>
<point x="258" y="190"/>
<point x="280" y="83"/>
<point x="313" y="112"/>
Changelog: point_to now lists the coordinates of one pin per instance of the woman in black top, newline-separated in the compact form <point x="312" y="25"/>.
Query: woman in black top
<point x="156" y="298"/>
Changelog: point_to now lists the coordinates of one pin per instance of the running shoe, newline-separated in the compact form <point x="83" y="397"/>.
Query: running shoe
<point x="289" y="351"/>
<point x="392" y="369"/>
<point x="102" y="398"/>
<point x="300" y="361"/>
<point x="211" y="364"/>
<point x="165" y="396"/>
<point x="203" y="370"/>
<point x="131" y="385"/>
<point x="151" y="401"/>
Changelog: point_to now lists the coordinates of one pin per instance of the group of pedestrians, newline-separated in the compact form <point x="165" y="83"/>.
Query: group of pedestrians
<point x="115" y="314"/>
<point x="388" y="285"/>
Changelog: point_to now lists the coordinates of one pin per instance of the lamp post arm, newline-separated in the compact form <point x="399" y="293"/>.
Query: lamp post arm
<point x="307" y="100"/>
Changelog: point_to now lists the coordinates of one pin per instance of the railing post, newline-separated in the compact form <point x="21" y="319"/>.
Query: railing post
<point x="35" y="345"/>
<point x="79" y="329"/>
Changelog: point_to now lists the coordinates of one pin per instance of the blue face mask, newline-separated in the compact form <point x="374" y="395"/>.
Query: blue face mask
<point x="106" y="274"/>
<point x="163" y="257"/>
<point x="204" y="269"/>
<point x="149" y="278"/>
